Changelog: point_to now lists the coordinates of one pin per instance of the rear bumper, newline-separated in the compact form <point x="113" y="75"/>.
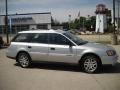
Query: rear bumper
<point x="10" y="55"/>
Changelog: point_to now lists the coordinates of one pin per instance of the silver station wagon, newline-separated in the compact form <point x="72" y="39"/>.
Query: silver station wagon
<point x="59" y="46"/>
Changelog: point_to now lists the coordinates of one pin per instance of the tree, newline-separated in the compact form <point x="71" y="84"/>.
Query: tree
<point x="65" y="25"/>
<point x="93" y="22"/>
<point x="75" y="24"/>
<point x="109" y="20"/>
<point x="54" y="22"/>
<point x="88" y="24"/>
<point x="82" y="22"/>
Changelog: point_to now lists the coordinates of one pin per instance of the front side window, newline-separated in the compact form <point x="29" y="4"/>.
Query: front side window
<point x="75" y="39"/>
<point x="23" y="37"/>
<point x="58" y="39"/>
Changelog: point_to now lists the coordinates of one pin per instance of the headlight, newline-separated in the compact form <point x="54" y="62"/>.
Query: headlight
<point x="111" y="52"/>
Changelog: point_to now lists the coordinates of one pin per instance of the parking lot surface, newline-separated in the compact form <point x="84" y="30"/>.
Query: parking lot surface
<point x="56" y="76"/>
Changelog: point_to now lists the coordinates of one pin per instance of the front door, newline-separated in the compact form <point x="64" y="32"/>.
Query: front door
<point x="60" y="49"/>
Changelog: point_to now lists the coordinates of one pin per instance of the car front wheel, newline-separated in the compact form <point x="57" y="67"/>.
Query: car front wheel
<point x="91" y="64"/>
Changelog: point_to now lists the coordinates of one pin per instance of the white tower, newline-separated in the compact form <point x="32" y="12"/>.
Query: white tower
<point x="101" y="20"/>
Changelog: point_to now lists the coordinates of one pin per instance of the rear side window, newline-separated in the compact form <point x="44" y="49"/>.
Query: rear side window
<point x="23" y="37"/>
<point x="40" y="38"/>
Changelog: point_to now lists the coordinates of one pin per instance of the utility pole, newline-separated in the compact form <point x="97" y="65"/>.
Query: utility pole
<point x="118" y="15"/>
<point x="6" y="22"/>
<point x="114" y="36"/>
<point x="83" y="25"/>
<point x="114" y="16"/>
<point x="69" y="21"/>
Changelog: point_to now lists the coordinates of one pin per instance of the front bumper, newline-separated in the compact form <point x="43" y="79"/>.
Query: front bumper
<point x="109" y="60"/>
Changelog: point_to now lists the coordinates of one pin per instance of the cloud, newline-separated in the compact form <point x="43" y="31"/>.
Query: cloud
<point x="60" y="9"/>
<point x="36" y="1"/>
<point x="62" y="14"/>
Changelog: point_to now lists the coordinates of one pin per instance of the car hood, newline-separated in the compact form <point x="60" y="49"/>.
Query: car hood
<point x="97" y="46"/>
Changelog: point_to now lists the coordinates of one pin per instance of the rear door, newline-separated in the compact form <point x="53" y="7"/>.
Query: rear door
<point x="38" y="47"/>
<point x="60" y="49"/>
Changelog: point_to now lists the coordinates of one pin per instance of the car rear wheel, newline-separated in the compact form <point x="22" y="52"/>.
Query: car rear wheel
<point x="24" y="59"/>
<point x="91" y="64"/>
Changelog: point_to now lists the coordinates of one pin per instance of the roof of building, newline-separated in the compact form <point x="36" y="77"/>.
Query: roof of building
<point x="26" y="14"/>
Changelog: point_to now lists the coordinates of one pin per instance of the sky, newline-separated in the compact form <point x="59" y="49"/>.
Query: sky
<point x="60" y="9"/>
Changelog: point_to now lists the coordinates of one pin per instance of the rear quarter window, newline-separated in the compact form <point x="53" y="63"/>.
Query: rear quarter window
<point x="23" y="37"/>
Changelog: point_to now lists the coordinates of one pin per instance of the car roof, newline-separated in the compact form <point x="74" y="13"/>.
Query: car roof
<point x="43" y="31"/>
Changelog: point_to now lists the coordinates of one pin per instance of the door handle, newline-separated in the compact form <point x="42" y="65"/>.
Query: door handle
<point x="52" y="48"/>
<point x="69" y="55"/>
<point x="29" y="47"/>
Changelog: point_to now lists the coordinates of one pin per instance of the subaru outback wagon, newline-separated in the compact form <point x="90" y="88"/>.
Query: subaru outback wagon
<point x="59" y="46"/>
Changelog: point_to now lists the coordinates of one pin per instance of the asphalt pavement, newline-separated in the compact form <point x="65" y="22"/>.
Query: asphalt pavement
<point x="56" y="76"/>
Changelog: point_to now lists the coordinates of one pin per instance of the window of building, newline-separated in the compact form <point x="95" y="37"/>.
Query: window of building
<point x="42" y="27"/>
<point x="1" y="31"/>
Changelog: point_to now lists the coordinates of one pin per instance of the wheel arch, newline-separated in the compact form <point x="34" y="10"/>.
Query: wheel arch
<point x="86" y="54"/>
<point x="22" y="51"/>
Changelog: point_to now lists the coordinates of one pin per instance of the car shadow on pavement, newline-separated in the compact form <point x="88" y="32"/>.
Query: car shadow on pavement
<point x="54" y="66"/>
<point x="71" y="67"/>
<point x="3" y="47"/>
<point x="111" y="69"/>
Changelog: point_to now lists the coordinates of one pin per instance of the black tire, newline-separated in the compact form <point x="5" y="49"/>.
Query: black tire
<point x="24" y="59"/>
<point x="91" y="64"/>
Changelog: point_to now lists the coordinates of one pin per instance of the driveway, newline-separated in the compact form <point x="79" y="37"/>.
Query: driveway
<point x="56" y="76"/>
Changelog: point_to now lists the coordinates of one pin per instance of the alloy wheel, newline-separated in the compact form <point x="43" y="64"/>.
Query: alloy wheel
<point x="24" y="60"/>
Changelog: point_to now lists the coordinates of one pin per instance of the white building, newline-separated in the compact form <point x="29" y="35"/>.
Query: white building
<point x="30" y="21"/>
<point x="101" y="18"/>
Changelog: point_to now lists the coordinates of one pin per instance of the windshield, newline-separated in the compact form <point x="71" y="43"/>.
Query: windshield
<point x="74" y="38"/>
